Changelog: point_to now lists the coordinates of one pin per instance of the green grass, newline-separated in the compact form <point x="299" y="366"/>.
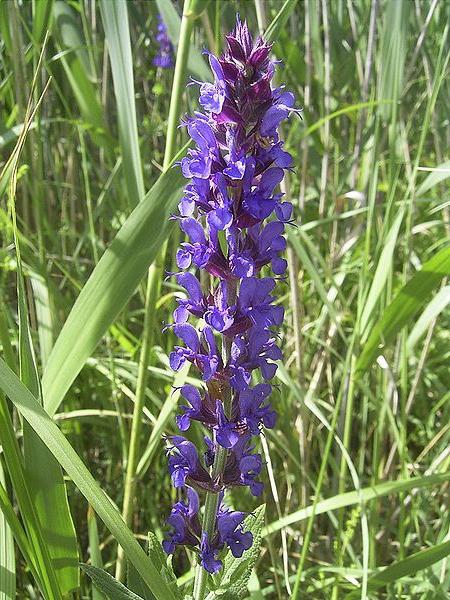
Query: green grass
<point x="358" y="466"/>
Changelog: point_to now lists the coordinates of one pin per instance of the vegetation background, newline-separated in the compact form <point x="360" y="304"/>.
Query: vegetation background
<point x="358" y="465"/>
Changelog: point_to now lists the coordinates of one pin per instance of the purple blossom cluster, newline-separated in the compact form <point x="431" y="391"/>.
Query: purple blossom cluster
<point x="164" y="56"/>
<point x="234" y="222"/>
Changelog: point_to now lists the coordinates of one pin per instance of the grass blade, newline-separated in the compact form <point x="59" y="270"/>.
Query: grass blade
<point x="110" y="286"/>
<point x="432" y="310"/>
<point x="382" y="272"/>
<point x="405" y="305"/>
<point x="409" y="566"/>
<point x="362" y="495"/>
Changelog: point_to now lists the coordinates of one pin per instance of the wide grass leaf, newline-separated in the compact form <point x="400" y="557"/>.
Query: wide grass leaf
<point x="409" y="300"/>
<point x="110" y="286"/>
<point x="53" y="438"/>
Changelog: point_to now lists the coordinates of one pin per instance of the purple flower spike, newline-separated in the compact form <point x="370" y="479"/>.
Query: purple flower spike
<point x="164" y="56"/>
<point x="233" y="217"/>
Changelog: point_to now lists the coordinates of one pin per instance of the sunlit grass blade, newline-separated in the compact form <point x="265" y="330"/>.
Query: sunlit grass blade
<point x="433" y="309"/>
<point x="350" y="498"/>
<point x="405" y="305"/>
<point x="110" y="286"/>
<point x="409" y="566"/>
<point x="382" y="271"/>
<point x="439" y="173"/>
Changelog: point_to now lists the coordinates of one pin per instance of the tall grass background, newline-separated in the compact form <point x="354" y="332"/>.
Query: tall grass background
<point x="357" y="468"/>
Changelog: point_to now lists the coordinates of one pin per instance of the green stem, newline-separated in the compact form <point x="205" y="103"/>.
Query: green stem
<point x="155" y="274"/>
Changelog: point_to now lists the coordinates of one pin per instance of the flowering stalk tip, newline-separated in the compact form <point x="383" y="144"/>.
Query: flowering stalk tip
<point x="164" y="55"/>
<point x="234" y="220"/>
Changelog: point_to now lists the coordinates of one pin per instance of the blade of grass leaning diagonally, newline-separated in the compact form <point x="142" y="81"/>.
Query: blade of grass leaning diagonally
<point x="439" y="302"/>
<point x="279" y="21"/>
<point x="351" y="498"/>
<point x="405" y="305"/>
<point x="53" y="438"/>
<point x="110" y="286"/>
<point x="115" y="23"/>
<point x="408" y="566"/>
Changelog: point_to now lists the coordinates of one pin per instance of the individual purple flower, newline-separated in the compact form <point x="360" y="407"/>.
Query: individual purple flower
<point x="184" y="523"/>
<point x="230" y="530"/>
<point x="234" y="219"/>
<point x="255" y="409"/>
<point x="164" y="56"/>
<point x="208" y="556"/>
<point x="244" y="466"/>
<point x="184" y="464"/>
<point x="200" y="350"/>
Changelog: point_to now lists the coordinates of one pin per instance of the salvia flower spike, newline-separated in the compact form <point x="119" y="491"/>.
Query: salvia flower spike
<point x="234" y="220"/>
<point x="164" y="55"/>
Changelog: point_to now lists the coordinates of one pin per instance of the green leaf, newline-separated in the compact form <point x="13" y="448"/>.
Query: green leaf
<point x="440" y="301"/>
<point x="55" y="441"/>
<point x="382" y="271"/>
<point x="110" y="587"/>
<point x="237" y="571"/>
<point x="42" y="14"/>
<point x="409" y="300"/>
<point x="362" y="495"/>
<point x="115" y="23"/>
<point x="43" y="474"/>
<point x="409" y="566"/>
<point x="160" y="559"/>
<point x="110" y="286"/>
<point x="440" y="173"/>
